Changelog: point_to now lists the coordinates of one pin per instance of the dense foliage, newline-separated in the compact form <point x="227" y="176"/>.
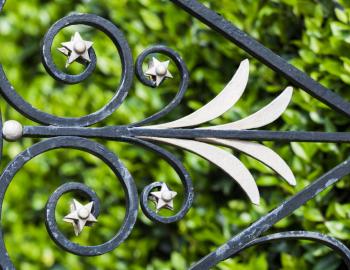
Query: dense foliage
<point x="314" y="35"/>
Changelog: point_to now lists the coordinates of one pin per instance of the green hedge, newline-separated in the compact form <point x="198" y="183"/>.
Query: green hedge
<point x="312" y="35"/>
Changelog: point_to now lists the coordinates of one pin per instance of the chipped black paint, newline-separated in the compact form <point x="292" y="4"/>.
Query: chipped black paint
<point x="108" y="158"/>
<point x="13" y="98"/>
<point x="184" y="75"/>
<point x="243" y="239"/>
<point x="73" y="133"/>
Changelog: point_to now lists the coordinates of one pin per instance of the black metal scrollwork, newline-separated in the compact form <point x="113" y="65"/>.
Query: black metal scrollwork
<point x="99" y="151"/>
<point x="328" y="241"/>
<point x="122" y="46"/>
<point x="89" y="146"/>
<point x="181" y="66"/>
<point x="72" y="133"/>
<point x="184" y="176"/>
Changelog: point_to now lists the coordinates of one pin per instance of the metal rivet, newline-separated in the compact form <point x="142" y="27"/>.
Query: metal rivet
<point x="167" y="196"/>
<point x="80" y="47"/>
<point x="164" y="198"/>
<point x="161" y="70"/>
<point x="76" y="48"/>
<point x="80" y="216"/>
<point x="158" y="71"/>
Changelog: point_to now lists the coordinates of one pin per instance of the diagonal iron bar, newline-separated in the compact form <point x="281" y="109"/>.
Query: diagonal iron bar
<point x="265" y="55"/>
<point x="266" y="222"/>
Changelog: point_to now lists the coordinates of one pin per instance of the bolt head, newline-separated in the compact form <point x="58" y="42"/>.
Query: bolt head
<point x="83" y="213"/>
<point x="80" y="47"/>
<point x="161" y="70"/>
<point x="167" y="196"/>
<point x="12" y="130"/>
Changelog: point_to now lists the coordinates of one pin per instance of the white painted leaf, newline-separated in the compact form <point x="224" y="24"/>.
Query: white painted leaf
<point x="263" y="117"/>
<point x="217" y="106"/>
<point x="261" y="153"/>
<point x="226" y="161"/>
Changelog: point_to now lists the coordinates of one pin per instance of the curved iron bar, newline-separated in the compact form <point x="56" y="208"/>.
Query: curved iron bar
<point x="47" y="59"/>
<point x="179" y="169"/>
<point x="129" y="187"/>
<point x="1" y="137"/>
<point x="64" y="128"/>
<point x="184" y="74"/>
<point x="95" y="149"/>
<point x="267" y="221"/>
<point x="13" y="98"/>
<point x="331" y="242"/>
<point x="50" y="208"/>
<point x="72" y="187"/>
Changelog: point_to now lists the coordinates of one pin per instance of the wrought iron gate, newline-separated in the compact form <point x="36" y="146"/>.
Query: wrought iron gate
<point x="75" y="133"/>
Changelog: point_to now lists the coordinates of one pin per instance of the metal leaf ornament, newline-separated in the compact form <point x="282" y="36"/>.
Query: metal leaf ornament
<point x="223" y="159"/>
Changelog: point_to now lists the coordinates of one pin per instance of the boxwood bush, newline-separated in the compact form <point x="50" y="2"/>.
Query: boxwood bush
<point x="312" y="35"/>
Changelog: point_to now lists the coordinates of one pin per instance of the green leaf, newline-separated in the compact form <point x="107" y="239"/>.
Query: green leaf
<point x="313" y="214"/>
<point x="151" y="20"/>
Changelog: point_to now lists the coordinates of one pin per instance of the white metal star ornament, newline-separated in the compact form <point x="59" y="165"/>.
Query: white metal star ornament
<point x="76" y="48"/>
<point x="158" y="71"/>
<point x="80" y="216"/>
<point x="164" y="198"/>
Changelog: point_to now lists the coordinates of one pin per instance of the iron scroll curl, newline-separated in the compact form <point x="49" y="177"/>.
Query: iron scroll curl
<point x="325" y="240"/>
<point x="109" y="159"/>
<point x="122" y="46"/>
<point x="121" y="173"/>
<point x="181" y="172"/>
<point x="69" y="133"/>
<point x="75" y="142"/>
<point x="183" y="72"/>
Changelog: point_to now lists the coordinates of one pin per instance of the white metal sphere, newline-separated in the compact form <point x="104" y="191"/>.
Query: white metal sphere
<point x="161" y="70"/>
<point x="83" y="213"/>
<point x="12" y="130"/>
<point x="80" y="47"/>
<point x="167" y="196"/>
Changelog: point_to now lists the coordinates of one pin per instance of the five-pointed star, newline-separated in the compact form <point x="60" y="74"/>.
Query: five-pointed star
<point x="164" y="198"/>
<point x="76" y="48"/>
<point x="80" y="216"/>
<point x="158" y="71"/>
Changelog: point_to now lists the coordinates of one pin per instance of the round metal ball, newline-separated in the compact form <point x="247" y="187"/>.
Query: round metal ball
<point x="80" y="47"/>
<point x="83" y="213"/>
<point x="12" y="130"/>
<point x="161" y="70"/>
<point x="167" y="196"/>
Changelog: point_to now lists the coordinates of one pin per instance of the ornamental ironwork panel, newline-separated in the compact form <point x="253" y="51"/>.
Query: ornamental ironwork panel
<point x="243" y="135"/>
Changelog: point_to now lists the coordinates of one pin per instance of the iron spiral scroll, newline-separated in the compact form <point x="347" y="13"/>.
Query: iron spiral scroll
<point x="75" y="133"/>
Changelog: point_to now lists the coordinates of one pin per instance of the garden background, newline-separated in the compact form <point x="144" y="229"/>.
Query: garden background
<point x="313" y="35"/>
